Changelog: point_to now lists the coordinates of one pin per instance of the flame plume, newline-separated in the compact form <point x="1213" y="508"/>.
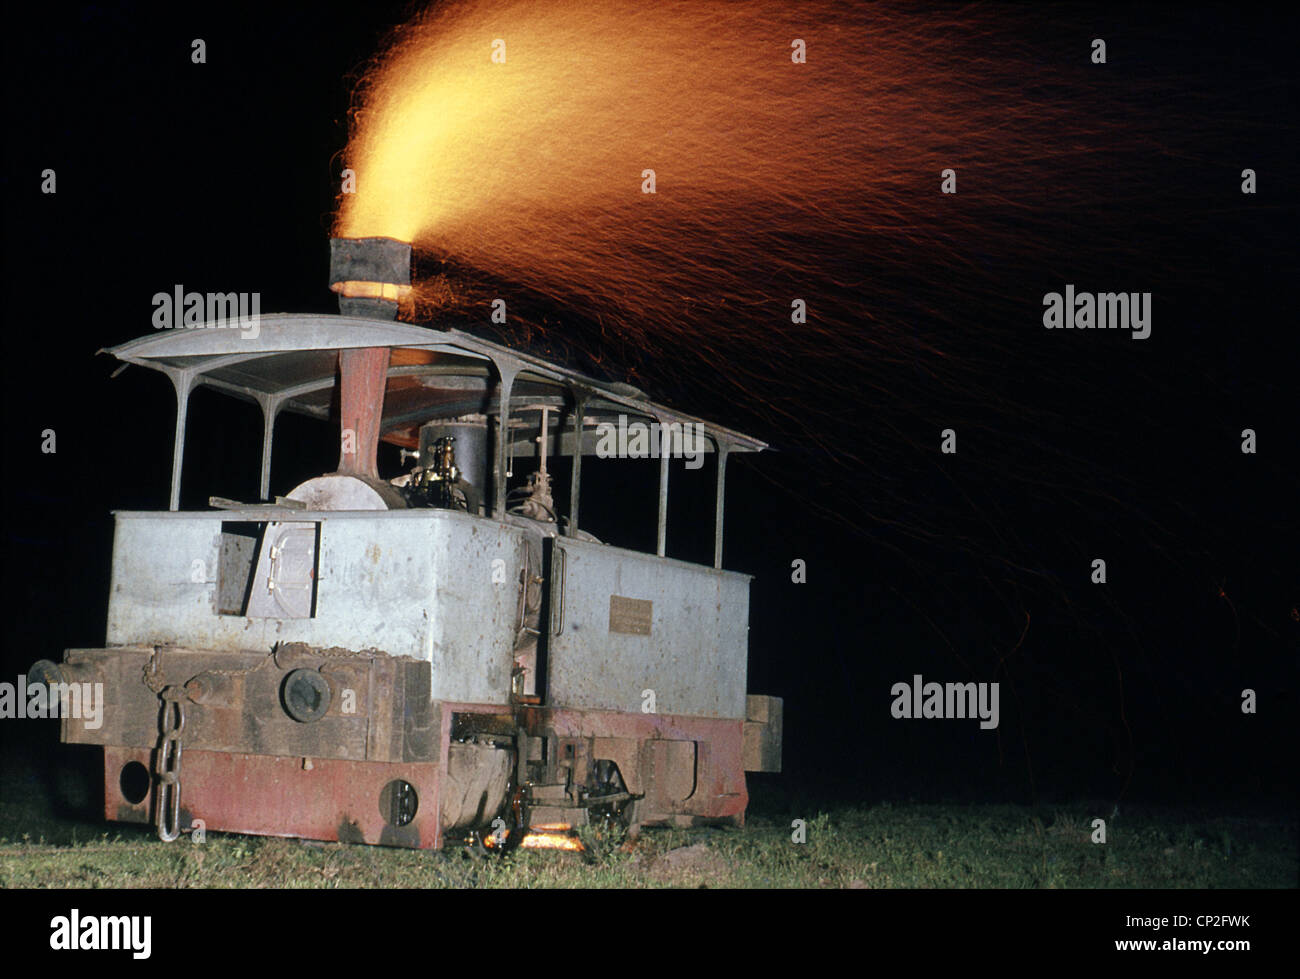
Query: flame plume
<point x="776" y="181"/>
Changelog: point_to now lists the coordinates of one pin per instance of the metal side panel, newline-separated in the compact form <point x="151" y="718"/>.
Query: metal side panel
<point x="477" y="565"/>
<point x="625" y="623"/>
<point x="432" y="585"/>
<point x="374" y="587"/>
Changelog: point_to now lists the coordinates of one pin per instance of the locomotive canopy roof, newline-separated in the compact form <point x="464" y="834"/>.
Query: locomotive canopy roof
<point x="289" y="362"/>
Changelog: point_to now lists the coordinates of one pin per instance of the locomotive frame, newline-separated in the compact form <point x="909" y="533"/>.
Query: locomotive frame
<point x="412" y="661"/>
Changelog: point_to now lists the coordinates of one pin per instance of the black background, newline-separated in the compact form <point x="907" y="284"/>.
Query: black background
<point x="222" y="176"/>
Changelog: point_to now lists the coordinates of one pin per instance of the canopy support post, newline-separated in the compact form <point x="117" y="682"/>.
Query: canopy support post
<point x="184" y="384"/>
<point x="270" y="409"/>
<point x="664" y="452"/>
<point x="579" y="409"/>
<point x="507" y="371"/>
<point x="722" y="449"/>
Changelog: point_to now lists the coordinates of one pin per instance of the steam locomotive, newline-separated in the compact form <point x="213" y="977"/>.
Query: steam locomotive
<point x="415" y="660"/>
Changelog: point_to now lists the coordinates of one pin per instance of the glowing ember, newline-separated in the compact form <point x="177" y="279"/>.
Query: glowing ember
<point x="372" y="290"/>
<point x="557" y="836"/>
<point x="763" y="123"/>
<point x="797" y="153"/>
<point x="798" y="234"/>
<point x="544" y="836"/>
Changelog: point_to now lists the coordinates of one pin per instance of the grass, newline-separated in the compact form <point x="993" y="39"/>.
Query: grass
<point x="866" y="846"/>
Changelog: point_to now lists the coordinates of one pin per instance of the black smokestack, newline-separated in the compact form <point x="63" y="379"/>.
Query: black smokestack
<point x="371" y="275"/>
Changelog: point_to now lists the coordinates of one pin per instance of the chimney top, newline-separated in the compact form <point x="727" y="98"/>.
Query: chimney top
<point x="370" y="275"/>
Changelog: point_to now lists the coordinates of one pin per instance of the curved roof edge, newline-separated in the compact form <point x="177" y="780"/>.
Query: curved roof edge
<point x="196" y="354"/>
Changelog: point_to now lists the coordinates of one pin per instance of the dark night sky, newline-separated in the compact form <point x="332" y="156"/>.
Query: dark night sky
<point x="223" y="177"/>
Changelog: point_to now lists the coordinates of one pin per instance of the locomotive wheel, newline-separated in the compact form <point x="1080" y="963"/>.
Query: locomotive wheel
<point x="622" y="811"/>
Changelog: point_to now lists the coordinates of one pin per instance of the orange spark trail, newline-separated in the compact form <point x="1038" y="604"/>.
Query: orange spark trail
<point x="535" y="166"/>
<point x="776" y="181"/>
